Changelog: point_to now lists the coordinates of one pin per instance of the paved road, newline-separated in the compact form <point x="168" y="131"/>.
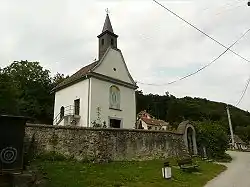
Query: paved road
<point x="237" y="174"/>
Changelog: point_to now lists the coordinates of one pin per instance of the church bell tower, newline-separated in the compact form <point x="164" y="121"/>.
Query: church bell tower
<point x="107" y="38"/>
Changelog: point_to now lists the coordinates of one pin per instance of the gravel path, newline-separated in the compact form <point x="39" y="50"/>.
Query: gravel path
<point x="237" y="174"/>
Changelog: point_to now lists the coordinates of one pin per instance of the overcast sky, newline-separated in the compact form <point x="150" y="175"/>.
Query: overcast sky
<point x="157" y="47"/>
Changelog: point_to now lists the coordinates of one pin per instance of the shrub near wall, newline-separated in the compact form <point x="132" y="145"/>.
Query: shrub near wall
<point x="213" y="137"/>
<point x="94" y="144"/>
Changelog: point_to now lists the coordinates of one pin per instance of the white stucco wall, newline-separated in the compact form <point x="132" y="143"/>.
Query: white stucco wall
<point x="99" y="97"/>
<point x="113" y="59"/>
<point x="66" y="97"/>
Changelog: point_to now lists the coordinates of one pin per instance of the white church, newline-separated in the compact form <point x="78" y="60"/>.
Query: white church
<point x="102" y="92"/>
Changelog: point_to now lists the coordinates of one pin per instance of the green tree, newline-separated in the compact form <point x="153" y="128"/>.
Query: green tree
<point x="175" y="110"/>
<point x="8" y="95"/>
<point x="213" y="137"/>
<point x="32" y="86"/>
<point x="58" y="78"/>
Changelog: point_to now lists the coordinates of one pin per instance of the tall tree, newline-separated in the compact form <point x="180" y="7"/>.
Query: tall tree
<point x="8" y="95"/>
<point x="33" y="85"/>
<point x="58" y="78"/>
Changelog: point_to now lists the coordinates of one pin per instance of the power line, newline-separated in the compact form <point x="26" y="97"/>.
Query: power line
<point x="244" y="92"/>
<point x="227" y="49"/>
<point x="200" y="30"/>
<point x="197" y="71"/>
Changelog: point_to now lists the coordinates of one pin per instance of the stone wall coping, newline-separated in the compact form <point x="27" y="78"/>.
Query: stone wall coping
<point x="99" y="129"/>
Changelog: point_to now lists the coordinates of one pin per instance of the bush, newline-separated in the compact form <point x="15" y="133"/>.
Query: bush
<point x="224" y="158"/>
<point x="213" y="136"/>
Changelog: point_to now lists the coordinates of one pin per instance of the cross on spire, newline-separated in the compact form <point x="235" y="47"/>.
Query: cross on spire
<point x="107" y="24"/>
<point x="107" y="10"/>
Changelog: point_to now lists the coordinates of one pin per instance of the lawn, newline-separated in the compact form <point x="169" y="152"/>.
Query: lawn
<point x="123" y="174"/>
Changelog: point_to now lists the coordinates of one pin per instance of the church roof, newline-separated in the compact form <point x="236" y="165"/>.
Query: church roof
<point x="76" y="76"/>
<point x="107" y="25"/>
<point x="88" y="71"/>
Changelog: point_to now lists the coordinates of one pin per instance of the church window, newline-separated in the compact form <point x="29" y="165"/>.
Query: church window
<point x="112" y="41"/>
<point x="114" y="97"/>
<point x="61" y="112"/>
<point x="77" y="106"/>
<point x="102" y="41"/>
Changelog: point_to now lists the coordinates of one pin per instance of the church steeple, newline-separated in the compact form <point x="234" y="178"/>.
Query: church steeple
<point x="107" y="25"/>
<point x="107" y="38"/>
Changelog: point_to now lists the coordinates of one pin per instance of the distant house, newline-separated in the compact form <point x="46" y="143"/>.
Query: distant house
<point x="148" y="122"/>
<point x="238" y="143"/>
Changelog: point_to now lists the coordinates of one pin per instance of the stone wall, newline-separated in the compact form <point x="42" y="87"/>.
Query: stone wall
<point x="105" y="144"/>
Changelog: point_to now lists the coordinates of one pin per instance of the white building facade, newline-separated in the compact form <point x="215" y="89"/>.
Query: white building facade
<point x="100" y="94"/>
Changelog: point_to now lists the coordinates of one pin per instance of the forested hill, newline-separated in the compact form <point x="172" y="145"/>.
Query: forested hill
<point x="174" y="110"/>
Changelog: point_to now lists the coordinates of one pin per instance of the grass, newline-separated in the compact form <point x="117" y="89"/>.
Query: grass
<point x="123" y="174"/>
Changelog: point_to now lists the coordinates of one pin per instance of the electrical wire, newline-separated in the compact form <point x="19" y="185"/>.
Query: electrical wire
<point x="244" y="92"/>
<point x="199" y="30"/>
<point x="197" y="71"/>
<point x="227" y="49"/>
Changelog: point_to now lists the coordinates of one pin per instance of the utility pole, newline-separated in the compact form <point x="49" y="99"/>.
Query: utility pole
<point x="230" y="126"/>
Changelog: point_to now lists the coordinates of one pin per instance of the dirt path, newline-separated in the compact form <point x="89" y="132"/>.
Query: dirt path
<point x="237" y="174"/>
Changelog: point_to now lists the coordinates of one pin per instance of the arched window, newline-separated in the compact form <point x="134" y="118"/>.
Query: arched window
<point x="114" y="97"/>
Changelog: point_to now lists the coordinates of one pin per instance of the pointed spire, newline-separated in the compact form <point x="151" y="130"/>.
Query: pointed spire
<point x="107" y="25"/>
<point x="107" y="38"/>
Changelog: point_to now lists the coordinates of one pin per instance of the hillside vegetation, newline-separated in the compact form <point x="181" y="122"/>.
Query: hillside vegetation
<point x="174" y="110"/>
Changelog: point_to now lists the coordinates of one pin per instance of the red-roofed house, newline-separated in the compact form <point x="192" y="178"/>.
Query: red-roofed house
<point x="148" y="122"/>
